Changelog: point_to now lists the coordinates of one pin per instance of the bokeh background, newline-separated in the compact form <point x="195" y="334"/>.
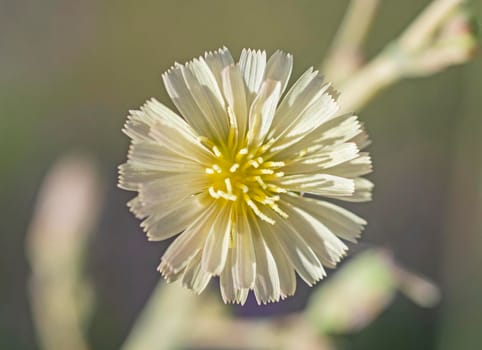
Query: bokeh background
<point x="71" y="70"/>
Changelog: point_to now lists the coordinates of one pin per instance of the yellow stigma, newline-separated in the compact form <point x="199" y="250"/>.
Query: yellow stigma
<point x="246" y="178"/>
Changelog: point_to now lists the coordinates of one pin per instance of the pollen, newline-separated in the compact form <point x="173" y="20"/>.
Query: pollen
<point x="248" y="179"/>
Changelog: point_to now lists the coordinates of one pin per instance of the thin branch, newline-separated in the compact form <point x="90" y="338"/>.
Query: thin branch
<point x="423" y="27"/>
<point x="410" y="55"/>
<point x="344" y="57"/>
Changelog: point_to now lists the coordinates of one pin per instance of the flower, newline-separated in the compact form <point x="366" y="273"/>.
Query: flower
<point x="243" y="175"/>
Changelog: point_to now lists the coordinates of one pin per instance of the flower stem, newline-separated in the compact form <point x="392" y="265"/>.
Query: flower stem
<point x="406" y="56"/>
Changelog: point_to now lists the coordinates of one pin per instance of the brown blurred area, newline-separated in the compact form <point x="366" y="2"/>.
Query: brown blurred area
<point x="71" y="70"/>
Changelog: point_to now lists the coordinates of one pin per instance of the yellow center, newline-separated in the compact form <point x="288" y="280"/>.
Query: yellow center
<point x="246" y="178"/>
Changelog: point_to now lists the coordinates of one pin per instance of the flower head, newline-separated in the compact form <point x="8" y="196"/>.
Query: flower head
<point x="243" y="173"/>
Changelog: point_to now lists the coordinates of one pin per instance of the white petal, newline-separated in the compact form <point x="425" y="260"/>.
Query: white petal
<point x="194" y="277"/>
<point x="226" y="281"/>
<point x="267" y="283"/>
<point x="207" y="94"/>
<point x="187" y="244"/>
<point x="363" y="191"/>
<point x="169" y="274"/>
<point x="297" y="251"/>
<point x="252" y="64"/>
<point x="304" y="128"/>
<point x="235" y="94"/>
<point x="203" y="76"/>
<point x="330" y="156"/>
<point x="327" y="247"/>
<point x="170" y="189"/>
<point x="229" y="291"/>
<point x="324" y="159"/>
<point x="184" y="101"/>
<point x="135" y="205"/>
<point x="334" y="131"/>
<point x="218" y="61"/>
<point x="130" y="177"/>
<point x="286" y="272"/>
<point x="137" y="128"/>
<point x="341" y="222"/>
<point x="359" y="166"/>
<point x="194" y="90"/>
<point x="307" y="90"/>
<point x="139" y="122"/>
<point x="156" y="157"/>
<point x="178" y="143"/>
<point x="319" y="111"/>
<point x="320" y="184"/>
<point x="156" y="111"/>
<point x="217" y="242"/>
<point x="361" y="139"/>
<point x="242" y="296"/>
<point x="167" y="222"/>
<point x="279" y="68"/>
<point x="340" y="129"/>
<point x="263" y="110"/>
<point x="141" y="210"/>
<point x="244" y="258"/>
<point x="298" y="89"/>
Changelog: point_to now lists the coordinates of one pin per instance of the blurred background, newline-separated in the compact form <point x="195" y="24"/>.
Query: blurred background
<point x="71" y="70"/>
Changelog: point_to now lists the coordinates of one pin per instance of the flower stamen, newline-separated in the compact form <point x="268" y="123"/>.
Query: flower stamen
<point x="247" y="176"/>
<point x="256" y="210"/>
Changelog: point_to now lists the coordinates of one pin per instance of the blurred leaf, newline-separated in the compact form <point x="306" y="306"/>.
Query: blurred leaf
<point x="66" y="211"/>
<point x="355" y="296"/>
<point x="165" y="321"/>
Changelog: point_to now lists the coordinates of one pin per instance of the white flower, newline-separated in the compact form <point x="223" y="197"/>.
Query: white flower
<point x="242" y="173"/>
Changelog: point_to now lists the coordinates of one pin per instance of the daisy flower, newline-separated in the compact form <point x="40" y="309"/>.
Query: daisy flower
<point x="241" y="175"/>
